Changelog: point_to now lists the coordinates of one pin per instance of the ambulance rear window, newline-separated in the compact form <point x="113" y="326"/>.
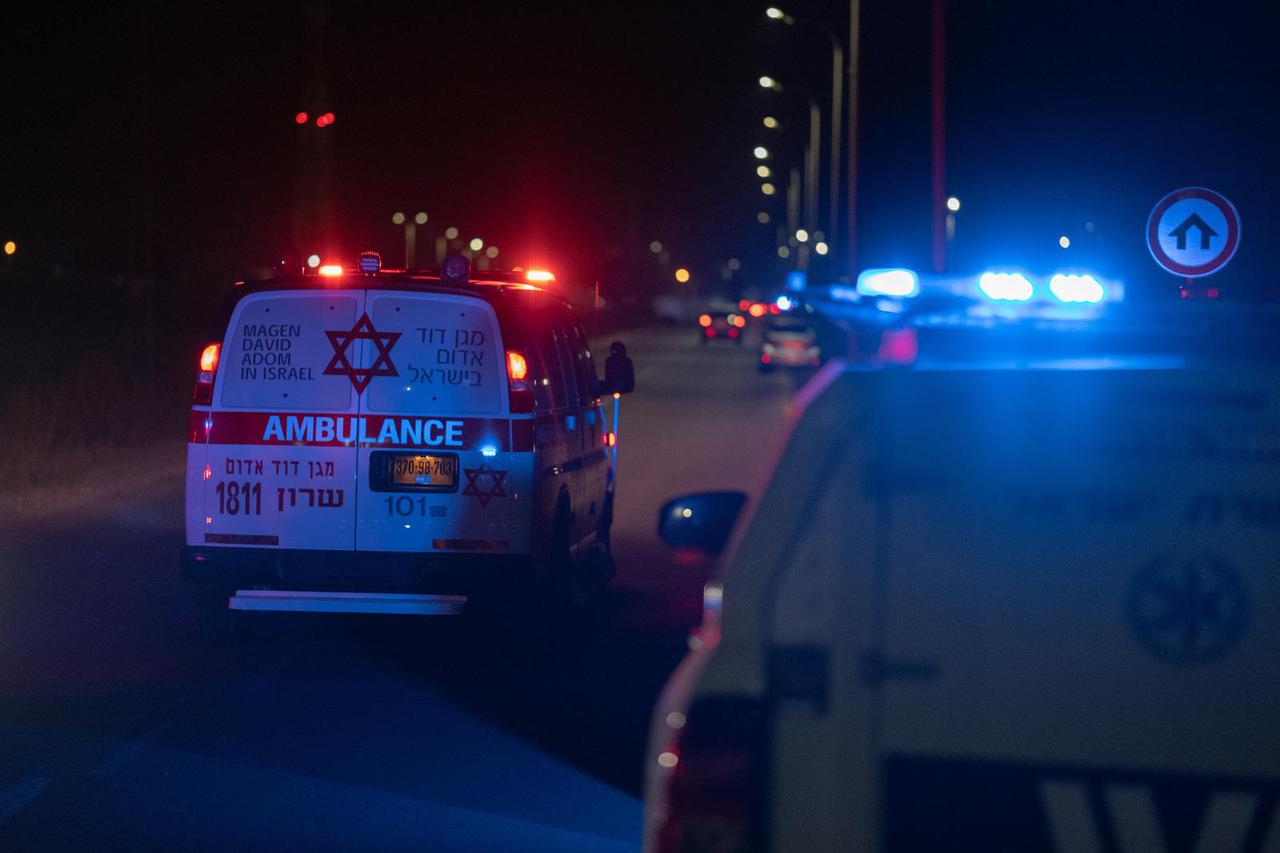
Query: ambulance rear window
<point x="276" y="351"/>
<point x="448" y="356"/>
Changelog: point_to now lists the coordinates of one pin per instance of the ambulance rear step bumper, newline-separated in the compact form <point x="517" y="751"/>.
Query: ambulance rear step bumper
<point x="347" y="602"/>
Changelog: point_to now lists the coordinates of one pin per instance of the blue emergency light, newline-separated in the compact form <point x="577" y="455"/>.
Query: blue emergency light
<point x="1005" y="286"/>
<point x="370" y="262"/>
<point x="1076" y="288"/>
<point x="888" y="282"/>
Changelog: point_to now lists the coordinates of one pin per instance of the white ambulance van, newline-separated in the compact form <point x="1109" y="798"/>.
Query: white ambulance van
<point x="989" y="608"/>
<point x="380" y="441"/>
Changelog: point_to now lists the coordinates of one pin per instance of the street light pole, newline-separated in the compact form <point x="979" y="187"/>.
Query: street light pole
<point x="938" y="101"/>
<point x="814" y="162"/>
<point x="410" y="235"/>
<point x="793" y="204"/>
<point x="851" y="200"/>
<point x="837" y="105"/>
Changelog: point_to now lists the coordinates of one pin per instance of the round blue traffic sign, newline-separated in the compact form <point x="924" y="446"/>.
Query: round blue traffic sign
<point x="1193" y="232"/>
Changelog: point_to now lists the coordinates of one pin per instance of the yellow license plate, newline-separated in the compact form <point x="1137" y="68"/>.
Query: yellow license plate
<point x="412" y="469"/>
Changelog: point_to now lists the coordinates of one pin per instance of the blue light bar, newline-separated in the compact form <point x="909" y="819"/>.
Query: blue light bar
<point x="888" y="282"/>
<point x="1076" y="288"/>
<point x="370" y="262"/>
<point x="1005" y="286"/>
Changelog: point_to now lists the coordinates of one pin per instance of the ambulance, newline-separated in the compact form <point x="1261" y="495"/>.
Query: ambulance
<point x="381" y="441"/>
<point x="989" y="606"/>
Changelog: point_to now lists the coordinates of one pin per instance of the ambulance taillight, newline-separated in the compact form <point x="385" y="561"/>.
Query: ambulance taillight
<point x="203" y="395"/>
<point x="518" y="386"/>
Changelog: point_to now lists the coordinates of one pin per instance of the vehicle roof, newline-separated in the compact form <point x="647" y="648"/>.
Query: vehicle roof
<point x="484" y="284"/>
<point x="500" y="288"/>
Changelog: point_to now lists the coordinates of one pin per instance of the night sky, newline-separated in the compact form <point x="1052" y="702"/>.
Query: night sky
<point x="162" y="138"/>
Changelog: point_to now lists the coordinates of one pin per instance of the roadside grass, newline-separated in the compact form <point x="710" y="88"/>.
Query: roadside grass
<point x="82" y="432"/>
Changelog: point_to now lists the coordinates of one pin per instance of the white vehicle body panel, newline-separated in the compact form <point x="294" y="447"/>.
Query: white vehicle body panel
<point x="301" y="486"/>
<point x="1045" y="602"/>
<point x="306" y="394"/>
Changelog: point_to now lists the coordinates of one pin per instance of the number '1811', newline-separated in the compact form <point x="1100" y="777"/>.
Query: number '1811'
<point x="239" y="498"/>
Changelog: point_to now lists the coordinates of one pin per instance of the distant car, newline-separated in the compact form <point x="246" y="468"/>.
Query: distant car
<point x="789" y="342"/>
<point x="721" y="325"/>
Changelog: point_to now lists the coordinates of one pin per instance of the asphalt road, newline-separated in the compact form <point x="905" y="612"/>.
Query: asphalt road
<point x="121" y="729"/>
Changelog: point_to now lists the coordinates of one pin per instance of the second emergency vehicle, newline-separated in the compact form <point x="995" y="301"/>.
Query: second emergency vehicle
<point x="989" y="606"/>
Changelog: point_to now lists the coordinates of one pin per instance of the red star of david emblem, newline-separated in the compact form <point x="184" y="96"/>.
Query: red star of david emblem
<point x="496" y="479"/>
<point x="340" y="364"/>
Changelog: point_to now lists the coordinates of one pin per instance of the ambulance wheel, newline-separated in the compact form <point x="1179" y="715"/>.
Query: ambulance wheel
<point x="563" y="588"/>
<point x="604" y="527"/>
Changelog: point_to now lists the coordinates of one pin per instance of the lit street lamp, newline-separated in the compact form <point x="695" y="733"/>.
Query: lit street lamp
<point x="953" y="207"/>
<point x="837" y="89"/>
<point x="812" y="158"/>
<point x="410" y="235"/>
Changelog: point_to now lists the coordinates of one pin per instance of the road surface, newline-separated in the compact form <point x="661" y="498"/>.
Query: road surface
<point x="120" y="729"/>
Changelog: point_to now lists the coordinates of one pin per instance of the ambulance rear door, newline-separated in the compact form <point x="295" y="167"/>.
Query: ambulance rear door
<point x="281" y="467"/>
<point x="437" y="471"/>
<point x="1077" y="578"/>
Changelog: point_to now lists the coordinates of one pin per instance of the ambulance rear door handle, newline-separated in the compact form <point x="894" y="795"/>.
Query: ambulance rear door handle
<point x="878" y="668"/>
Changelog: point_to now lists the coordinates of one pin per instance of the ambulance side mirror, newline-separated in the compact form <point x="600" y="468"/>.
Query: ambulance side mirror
<point x="619" y="372"/>
<point x="701" y="521"/>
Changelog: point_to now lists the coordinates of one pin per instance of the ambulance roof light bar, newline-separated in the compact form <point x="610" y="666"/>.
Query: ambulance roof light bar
<point x="330" y="270"/>
<point x="540" y="277"/>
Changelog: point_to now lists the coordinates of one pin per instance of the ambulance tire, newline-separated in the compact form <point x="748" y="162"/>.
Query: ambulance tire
<point x="564" y="591"/>
<point x="549" y="620"/>
<point x="604" y="527"/>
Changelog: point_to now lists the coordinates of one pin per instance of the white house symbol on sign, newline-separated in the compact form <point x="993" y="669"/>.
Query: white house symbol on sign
<point x="1193" y="232"/>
